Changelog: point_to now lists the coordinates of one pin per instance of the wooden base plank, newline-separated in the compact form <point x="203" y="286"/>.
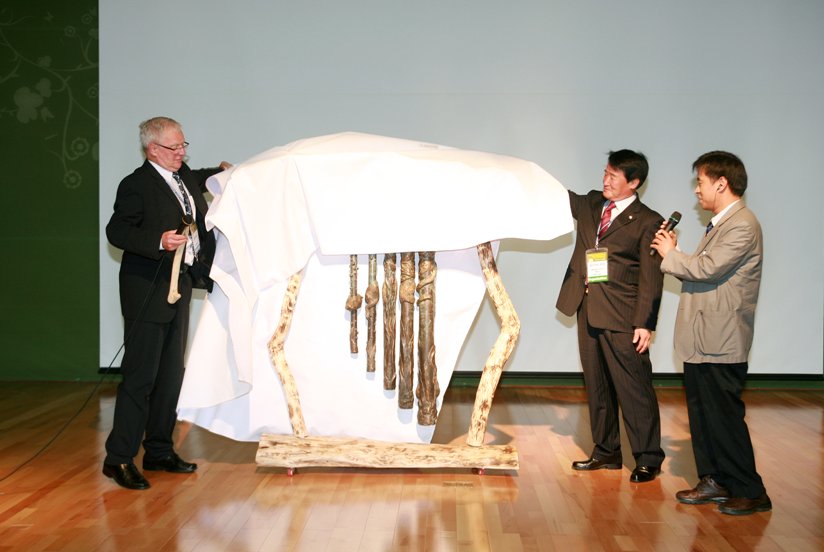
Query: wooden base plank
<point x="288" y="451"/>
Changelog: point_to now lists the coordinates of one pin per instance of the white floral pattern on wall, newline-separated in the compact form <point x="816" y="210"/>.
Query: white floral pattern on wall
<point x="49" y="85"/>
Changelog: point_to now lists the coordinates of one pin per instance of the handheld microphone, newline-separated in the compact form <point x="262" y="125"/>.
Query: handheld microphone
<point x="673" y="221"/>
<point x="187" y="220"/>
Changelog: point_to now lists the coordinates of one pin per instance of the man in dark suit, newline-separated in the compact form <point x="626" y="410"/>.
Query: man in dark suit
<point x="154" y="206"/>
<point x="615" y="287"/>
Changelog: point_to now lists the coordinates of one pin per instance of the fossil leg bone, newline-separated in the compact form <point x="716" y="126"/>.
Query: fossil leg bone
<point x="353" y="303"/>
<point x="390" y="300"/>
<point x="427" y="390"/>
<point x="406" y="364"/>
<point x="372" y="297"/>
<point x="174" y="294"/>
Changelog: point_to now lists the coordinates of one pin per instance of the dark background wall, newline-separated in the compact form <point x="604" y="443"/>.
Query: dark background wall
<point x="49" y="156"/>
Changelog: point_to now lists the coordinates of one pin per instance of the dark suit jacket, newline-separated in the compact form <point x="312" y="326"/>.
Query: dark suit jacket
<point x="632" y="296"/>
<point x="144" y="208"/>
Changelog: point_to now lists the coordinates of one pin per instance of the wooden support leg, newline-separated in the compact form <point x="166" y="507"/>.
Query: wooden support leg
<point x="279" y="358"/>
<point x="498" y="356"/>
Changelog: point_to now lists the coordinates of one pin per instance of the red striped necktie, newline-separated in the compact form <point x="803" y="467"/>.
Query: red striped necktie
<point x="605" y="219"/>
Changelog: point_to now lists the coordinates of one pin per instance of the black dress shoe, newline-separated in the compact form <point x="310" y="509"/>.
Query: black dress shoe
<point x="126" y="475"/>
<point x="644" y="474"/>
<point x="707" y="490"/>
<point x="746" y="506"/>
<point x="595" y="464"/>
<point x="172" y="463"/>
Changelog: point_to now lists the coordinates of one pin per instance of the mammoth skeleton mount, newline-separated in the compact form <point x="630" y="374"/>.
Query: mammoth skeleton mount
<point x="301" y="450"/>
<point x="284" y="223"/>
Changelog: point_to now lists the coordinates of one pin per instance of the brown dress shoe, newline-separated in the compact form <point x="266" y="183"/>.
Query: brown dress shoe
<point x="707" y="490"/>
<point x="746" y="506"/>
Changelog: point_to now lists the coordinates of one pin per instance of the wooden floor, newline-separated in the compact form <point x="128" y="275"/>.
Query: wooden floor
<point x="60" y="500"/>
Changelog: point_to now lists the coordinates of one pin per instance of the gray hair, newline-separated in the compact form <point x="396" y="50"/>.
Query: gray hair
<point x="151" y="129"/>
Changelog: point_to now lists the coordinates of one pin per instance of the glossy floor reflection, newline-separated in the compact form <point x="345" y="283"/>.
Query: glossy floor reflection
<point x="60" y="501"/>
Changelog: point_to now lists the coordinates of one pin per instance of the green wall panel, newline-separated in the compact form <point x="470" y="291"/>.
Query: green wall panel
<point x="49" y="82"/>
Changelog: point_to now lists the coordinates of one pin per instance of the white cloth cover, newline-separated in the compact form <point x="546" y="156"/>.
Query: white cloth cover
<point x="306" y="207"/>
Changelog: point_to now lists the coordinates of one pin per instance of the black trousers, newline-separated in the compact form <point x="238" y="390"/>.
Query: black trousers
<point x="615" y="374"/>
<point x="146" y="404"/>
<point x="720" y="438"/>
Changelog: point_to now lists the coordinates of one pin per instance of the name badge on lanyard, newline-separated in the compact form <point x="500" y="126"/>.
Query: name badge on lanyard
<point x="597" y="260"/>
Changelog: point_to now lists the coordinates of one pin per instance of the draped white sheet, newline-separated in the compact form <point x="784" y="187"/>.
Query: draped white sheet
<point x="306" y="207"/>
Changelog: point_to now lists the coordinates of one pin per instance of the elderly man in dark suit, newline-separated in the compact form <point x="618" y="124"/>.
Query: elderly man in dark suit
<point x="614" y="285"/>
<point x="153" y="206"/>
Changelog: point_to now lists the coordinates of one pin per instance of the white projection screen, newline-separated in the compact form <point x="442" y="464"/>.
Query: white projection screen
<point x="557" y="83"/>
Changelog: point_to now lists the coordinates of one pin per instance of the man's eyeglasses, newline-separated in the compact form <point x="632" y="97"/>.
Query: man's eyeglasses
<point x="184" y="145"/>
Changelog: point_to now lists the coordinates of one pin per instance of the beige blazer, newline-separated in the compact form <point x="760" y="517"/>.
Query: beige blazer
<point x="719" y="290"/>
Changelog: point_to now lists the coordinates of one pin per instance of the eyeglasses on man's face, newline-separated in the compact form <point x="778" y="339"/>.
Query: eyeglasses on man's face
<point x="175" y="147"/>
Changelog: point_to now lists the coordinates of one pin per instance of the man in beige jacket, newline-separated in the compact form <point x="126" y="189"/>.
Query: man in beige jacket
<point x="714" y="332"/>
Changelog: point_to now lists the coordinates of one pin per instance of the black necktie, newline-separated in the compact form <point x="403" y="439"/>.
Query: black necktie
<point x="186" y="206"/>
<point x="193" y="246"/>
<point x="709" y="227"/>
